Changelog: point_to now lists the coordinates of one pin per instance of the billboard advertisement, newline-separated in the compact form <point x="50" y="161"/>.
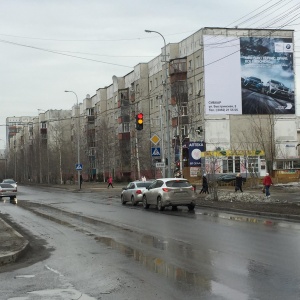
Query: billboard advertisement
<point x="195" y="153"/>
<point x="259" y="69"/>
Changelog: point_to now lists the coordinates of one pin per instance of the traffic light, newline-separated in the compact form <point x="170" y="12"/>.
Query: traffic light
<point x="139" y="123"/>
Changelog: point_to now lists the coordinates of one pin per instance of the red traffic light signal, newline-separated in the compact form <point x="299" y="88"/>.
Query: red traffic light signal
<point x="139" y="121"/>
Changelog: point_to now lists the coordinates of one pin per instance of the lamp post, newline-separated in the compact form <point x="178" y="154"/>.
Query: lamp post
<point x="166" y="102"/>
<point x="78" y="137"/>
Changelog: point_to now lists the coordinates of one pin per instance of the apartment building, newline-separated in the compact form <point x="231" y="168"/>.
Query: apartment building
<point x="231" y="109"/>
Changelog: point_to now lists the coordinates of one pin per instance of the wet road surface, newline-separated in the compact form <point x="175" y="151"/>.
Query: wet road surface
<point x="171" y="255"/>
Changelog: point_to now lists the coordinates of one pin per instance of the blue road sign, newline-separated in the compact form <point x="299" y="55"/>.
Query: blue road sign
<point x="78" y="167"/>
<point x="155" y="151"/>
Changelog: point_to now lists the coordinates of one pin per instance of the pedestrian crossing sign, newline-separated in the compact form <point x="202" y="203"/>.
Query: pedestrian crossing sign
<point x="155" y="151"/>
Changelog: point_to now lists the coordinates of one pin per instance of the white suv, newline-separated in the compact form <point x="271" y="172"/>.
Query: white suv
<point x="172" y="192"/>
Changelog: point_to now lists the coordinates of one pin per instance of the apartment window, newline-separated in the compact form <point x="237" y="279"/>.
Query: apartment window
<point x="90" y="111"/>
<point x="150" y="85"/>
<point x="184" y="110"/>
<point x="151" y="103"/>
<point x="198" y="62"/>
<point x="116" y="99"/>
<point x="199" y="81"/>
<point x="190" y="65"/>
<point x="191" y="88"/>
<point x="199" y="108"/>
<point x="184" y="130"/>
<point x="157" y="101"/>
<point x="156" y="82"/>
<point x="126" y="127"/>
<point x="43" y="125"/>
<point x="137" y="88"/>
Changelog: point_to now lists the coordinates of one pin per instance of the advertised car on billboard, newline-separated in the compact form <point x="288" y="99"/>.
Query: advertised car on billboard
<point x="277" y="89"/>
<point x="253" y="83"/>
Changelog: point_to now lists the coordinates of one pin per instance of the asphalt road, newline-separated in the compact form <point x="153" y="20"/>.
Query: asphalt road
<point x="88" y="244"/>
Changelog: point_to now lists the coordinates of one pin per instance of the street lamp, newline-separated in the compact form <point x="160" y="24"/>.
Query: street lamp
<point x="166" y="102"/>
<point x="78" y="137"/>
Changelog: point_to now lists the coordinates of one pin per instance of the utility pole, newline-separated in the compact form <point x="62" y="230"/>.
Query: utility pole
<point x="166" y="102"/>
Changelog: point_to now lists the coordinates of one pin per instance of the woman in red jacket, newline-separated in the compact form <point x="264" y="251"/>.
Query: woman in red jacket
<point x="267" y="182"/>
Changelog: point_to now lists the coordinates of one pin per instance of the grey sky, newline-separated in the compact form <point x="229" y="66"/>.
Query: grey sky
<point x="103" y="31"/>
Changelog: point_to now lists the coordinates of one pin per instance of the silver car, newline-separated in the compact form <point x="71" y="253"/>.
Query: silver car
<point x="133" y="192"/>
<point x="172" y="192"/>
<point x="9" y="191"/>
<point x="12" y="182"/>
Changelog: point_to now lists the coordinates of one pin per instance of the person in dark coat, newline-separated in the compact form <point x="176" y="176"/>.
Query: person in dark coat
<point x="238" y="182"/>
<point x="204" y="185"/>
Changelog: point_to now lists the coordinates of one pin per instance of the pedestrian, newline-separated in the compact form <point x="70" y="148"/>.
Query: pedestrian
<point x="143" y="178"/>
<point x="81" y="180"/>
<point x="267" y="182"/>
<point x="204" y="189"/>
<point x="110" y="182"/>
<point x="238" y="182"/>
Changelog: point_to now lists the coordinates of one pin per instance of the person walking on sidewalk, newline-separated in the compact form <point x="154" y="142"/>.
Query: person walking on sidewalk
<point x="110" y="182"/>
<point x="267" y="182"/>
<point x="204" y="189"/>
<point x="238" y="182"/>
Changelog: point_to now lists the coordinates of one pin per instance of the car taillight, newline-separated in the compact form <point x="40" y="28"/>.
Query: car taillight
<point x="193" y="188"/>
<point x="138" y="192"/>
<point x="14" y="190"/>
<point x="165" y="189"/>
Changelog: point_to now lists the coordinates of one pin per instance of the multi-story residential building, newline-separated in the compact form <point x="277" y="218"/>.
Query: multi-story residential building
<point x="220" y="101"/>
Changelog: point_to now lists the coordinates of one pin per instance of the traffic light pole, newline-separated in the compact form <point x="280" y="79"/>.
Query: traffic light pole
<point x="137" y="156"/>
<point x="162" y="150"/>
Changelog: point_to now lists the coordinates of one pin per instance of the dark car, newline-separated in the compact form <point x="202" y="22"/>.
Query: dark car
<point x="228" y="178"/>
<point x="9" y="191"/>
<point x="253" y="83"/>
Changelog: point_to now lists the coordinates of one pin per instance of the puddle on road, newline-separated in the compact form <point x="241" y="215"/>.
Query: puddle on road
<point x="157" y="264"/>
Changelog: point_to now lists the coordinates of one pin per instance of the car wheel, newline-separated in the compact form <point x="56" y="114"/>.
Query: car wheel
<point x="145" y="204"/>
<point x="132" y="201"/>
<point x="174" y="208"/>
<point x="122" y="200"/>
<point x="159" y="204"/>
<point x="191" y="207"/>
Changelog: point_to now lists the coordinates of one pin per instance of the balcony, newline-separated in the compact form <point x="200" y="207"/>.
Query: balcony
<point x="124" y="136"/>
<point x="43" y="131"/>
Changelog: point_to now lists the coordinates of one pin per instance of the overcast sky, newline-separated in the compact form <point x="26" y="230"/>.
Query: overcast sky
<point x="109" y="38"/>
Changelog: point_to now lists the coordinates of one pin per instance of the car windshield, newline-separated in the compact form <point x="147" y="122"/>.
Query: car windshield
<point x="8" y="181"/>
<point x="178" y="183"/>
<point x="5" y="185"/>
<point x="143" y="184"/>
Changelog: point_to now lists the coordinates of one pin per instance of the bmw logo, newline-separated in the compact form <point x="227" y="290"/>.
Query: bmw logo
<point x="288" y="46"/>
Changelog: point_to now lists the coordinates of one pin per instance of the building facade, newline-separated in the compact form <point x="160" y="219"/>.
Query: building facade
<point x="220" y="101"/>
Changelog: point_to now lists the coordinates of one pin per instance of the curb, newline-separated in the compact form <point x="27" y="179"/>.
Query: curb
<point x="10" y="257"/>
<point x="294" y="218"/>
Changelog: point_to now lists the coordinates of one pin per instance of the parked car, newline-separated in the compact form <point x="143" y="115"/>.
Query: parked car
<point x="133" y="192"/>
<point x="12" y="182"/>
<point x="172" y="192"/>
<point x="253" y="83"/>
<point x="9" y="191"/>
<point x="228" y="178"/>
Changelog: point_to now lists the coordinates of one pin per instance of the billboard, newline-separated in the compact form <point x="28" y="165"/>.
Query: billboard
<point x="249" y="75"/>
<point x="195" y="153"/>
